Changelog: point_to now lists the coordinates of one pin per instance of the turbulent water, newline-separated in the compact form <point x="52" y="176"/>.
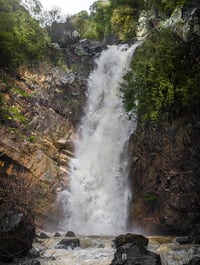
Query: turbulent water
<point x="93" y="250"/>
<point x="98" y="250"/>
<point x="97" y="199"/>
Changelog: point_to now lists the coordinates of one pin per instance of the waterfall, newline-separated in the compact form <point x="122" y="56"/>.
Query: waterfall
<point x="97" y="199"/>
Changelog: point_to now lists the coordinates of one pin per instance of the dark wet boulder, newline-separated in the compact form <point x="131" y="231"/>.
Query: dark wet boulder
<point x="68" y="243"/>
<point x="42" y="235"/>
<point x="27" y="262"/>
<point x="194" y="261"/>
<point x="88" y="48"/>
<point x="183" y="240"/>
<point x="196" y="239"/>
<point x="131" y="254"/>
<point x="70" y="234"/>
<point x="17" y="231"/>
<point x="130" y="238"/>
<point x="57" y="234"/>
<point x="131" y="250"/>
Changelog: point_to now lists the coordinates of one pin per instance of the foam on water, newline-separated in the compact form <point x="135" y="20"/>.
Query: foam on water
<point x="97" y="199"/>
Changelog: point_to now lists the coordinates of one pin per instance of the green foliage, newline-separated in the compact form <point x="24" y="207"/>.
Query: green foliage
<point x="19" y="91"/>
<point x="97" y="24"/>
<point x="151" y="197"/>
<point x="119" y="18"/>
<point x="81" y="22"/>
<point x="108" y="19"/>
<point x="123" y="23"/>
<point x="135" y="4"/>
<point x="21" y="37"/>
<point x="168" y="6"/>
<point x="93" y="31"/>
<point x="101" y="12"/>
<point x="13" y="113"/>
<point x="2" y="106"/>
<point x="164" y="78"/>
<point x="31" y="139"/>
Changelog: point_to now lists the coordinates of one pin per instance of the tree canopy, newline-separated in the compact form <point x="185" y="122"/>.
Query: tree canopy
<point x="164" y="79"/>
<point x="21" y="37"/>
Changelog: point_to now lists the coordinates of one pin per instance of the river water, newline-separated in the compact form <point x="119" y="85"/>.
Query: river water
<point x="98" y="250"/>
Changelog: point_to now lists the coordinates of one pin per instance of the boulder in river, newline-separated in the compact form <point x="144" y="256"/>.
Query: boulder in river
<point x="42" y="235"/>
<point x="131" y="249"/>
<point x="68" y="243"/>
<point x="130" y="238"/>
<point x="130" y="254"/>
<point x="57" y="234"/>
<point x="70" y="234"/>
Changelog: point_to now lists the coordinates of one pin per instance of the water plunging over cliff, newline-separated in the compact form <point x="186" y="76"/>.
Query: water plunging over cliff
<point x="98" y="196"/>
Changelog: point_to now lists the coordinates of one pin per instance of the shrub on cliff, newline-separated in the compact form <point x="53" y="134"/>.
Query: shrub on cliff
<point x="163" y="82"/>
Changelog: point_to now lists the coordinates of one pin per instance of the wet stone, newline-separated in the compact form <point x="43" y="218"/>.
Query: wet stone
<point x="70" y="234"/>
<point x="57" y="234"/>
<point x="43" y="236"/>
<point x="68" y="243"/>
<point x="130" y="238"/>
<point x="130" y="254"/>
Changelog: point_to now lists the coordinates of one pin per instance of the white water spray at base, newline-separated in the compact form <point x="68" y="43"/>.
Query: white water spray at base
<point x="98" y="196"/>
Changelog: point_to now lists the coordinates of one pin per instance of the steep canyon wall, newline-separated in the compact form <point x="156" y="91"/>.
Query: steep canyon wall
<point x="164" y="162"/>
<point x="43" y="107"/>
<point x="165" y="178"/>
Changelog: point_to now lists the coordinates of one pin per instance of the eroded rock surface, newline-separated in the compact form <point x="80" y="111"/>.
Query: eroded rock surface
<point x="165" y="178"/>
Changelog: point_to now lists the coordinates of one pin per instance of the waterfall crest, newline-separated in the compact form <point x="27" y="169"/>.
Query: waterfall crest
<point x="97" y="199"/>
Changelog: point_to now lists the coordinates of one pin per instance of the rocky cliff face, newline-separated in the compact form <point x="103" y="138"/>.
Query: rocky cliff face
<point x="165" y="162"/>
<point x="165" y="178"/>
<point x="35" y="152"/>
<point x="185" y="22"/>
<point x="41" y="110"/>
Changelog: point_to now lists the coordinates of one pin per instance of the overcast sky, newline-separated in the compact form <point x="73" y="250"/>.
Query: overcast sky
<point x="68" y="7"/>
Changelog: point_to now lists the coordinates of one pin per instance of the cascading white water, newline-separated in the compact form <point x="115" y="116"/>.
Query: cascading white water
<point x="97" y="200"/>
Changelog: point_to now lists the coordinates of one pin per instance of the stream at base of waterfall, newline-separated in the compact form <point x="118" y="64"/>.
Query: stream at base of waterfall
<point x="96" y="250"/>
<point x="99" y="250"/>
